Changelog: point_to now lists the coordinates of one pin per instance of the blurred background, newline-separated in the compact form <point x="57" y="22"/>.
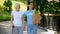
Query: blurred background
<point x="6" y="6"/>
<point x="49" y="10"/>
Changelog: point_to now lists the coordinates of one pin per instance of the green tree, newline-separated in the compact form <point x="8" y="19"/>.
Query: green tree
<point x="8" y="5"/>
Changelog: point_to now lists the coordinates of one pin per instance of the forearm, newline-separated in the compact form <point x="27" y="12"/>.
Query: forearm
<point x="11" y="20"/>
<point x="24" y="23"/>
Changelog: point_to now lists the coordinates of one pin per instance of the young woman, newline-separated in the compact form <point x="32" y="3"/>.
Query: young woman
<point x="16" y="20"/>
<point x="31" y="28"/>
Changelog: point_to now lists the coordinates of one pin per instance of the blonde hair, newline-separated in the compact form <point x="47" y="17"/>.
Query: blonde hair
<point x="16" y="4"/>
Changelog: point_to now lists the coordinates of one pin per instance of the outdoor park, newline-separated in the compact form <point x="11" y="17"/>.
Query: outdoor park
<point x="49" y="10"/>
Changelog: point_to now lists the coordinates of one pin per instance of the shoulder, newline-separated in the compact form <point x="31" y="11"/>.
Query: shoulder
<point x="33" y="10"/>
<point x="21" y="11"/>
<point x="26" y="11"/>
<point x="12" y="11"/>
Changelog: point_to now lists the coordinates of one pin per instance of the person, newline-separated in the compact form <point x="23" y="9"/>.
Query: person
<point x="31" y="28"/>
<point x="17" y="20"/>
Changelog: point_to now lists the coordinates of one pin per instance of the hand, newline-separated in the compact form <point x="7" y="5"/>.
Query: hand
<point x="12" y="23"/>
<point x="24" y="28"/>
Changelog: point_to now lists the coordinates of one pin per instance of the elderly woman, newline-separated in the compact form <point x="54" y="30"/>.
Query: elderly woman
<point x="17" y="20"/>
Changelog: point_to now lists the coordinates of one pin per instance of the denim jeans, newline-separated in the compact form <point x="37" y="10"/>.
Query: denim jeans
<point x="32" y="29"/>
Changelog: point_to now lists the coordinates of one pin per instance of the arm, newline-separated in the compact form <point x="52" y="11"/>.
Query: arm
<point x="24" y="23"/>
<point x="23" y="19"/>
<point x="11" y="20"/>
<point x="12" y="23"/>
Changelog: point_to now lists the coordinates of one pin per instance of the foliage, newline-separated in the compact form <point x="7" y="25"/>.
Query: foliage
<point x="4" y="15"/>
<point x="24" y="1"/>
<point x="8" y="5"/>
<point x="52" y="7"/>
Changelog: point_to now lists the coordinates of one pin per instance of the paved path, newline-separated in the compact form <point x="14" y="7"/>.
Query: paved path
<point x="5" y="28"/>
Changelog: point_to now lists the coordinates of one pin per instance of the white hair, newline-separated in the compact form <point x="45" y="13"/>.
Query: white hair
<point x="16" y="4"/>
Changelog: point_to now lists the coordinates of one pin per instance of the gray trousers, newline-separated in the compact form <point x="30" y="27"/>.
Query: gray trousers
<point x="17" y="30"/>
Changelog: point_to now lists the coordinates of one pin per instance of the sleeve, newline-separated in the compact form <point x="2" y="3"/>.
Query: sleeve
<point x="12" y="13"/>
<point x="22" y="12"/>
<point x="34" y="11"/>
<point x="25" y="13"/>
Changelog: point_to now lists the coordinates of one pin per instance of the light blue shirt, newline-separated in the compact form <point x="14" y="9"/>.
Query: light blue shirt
<point x="29" y="14"/>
